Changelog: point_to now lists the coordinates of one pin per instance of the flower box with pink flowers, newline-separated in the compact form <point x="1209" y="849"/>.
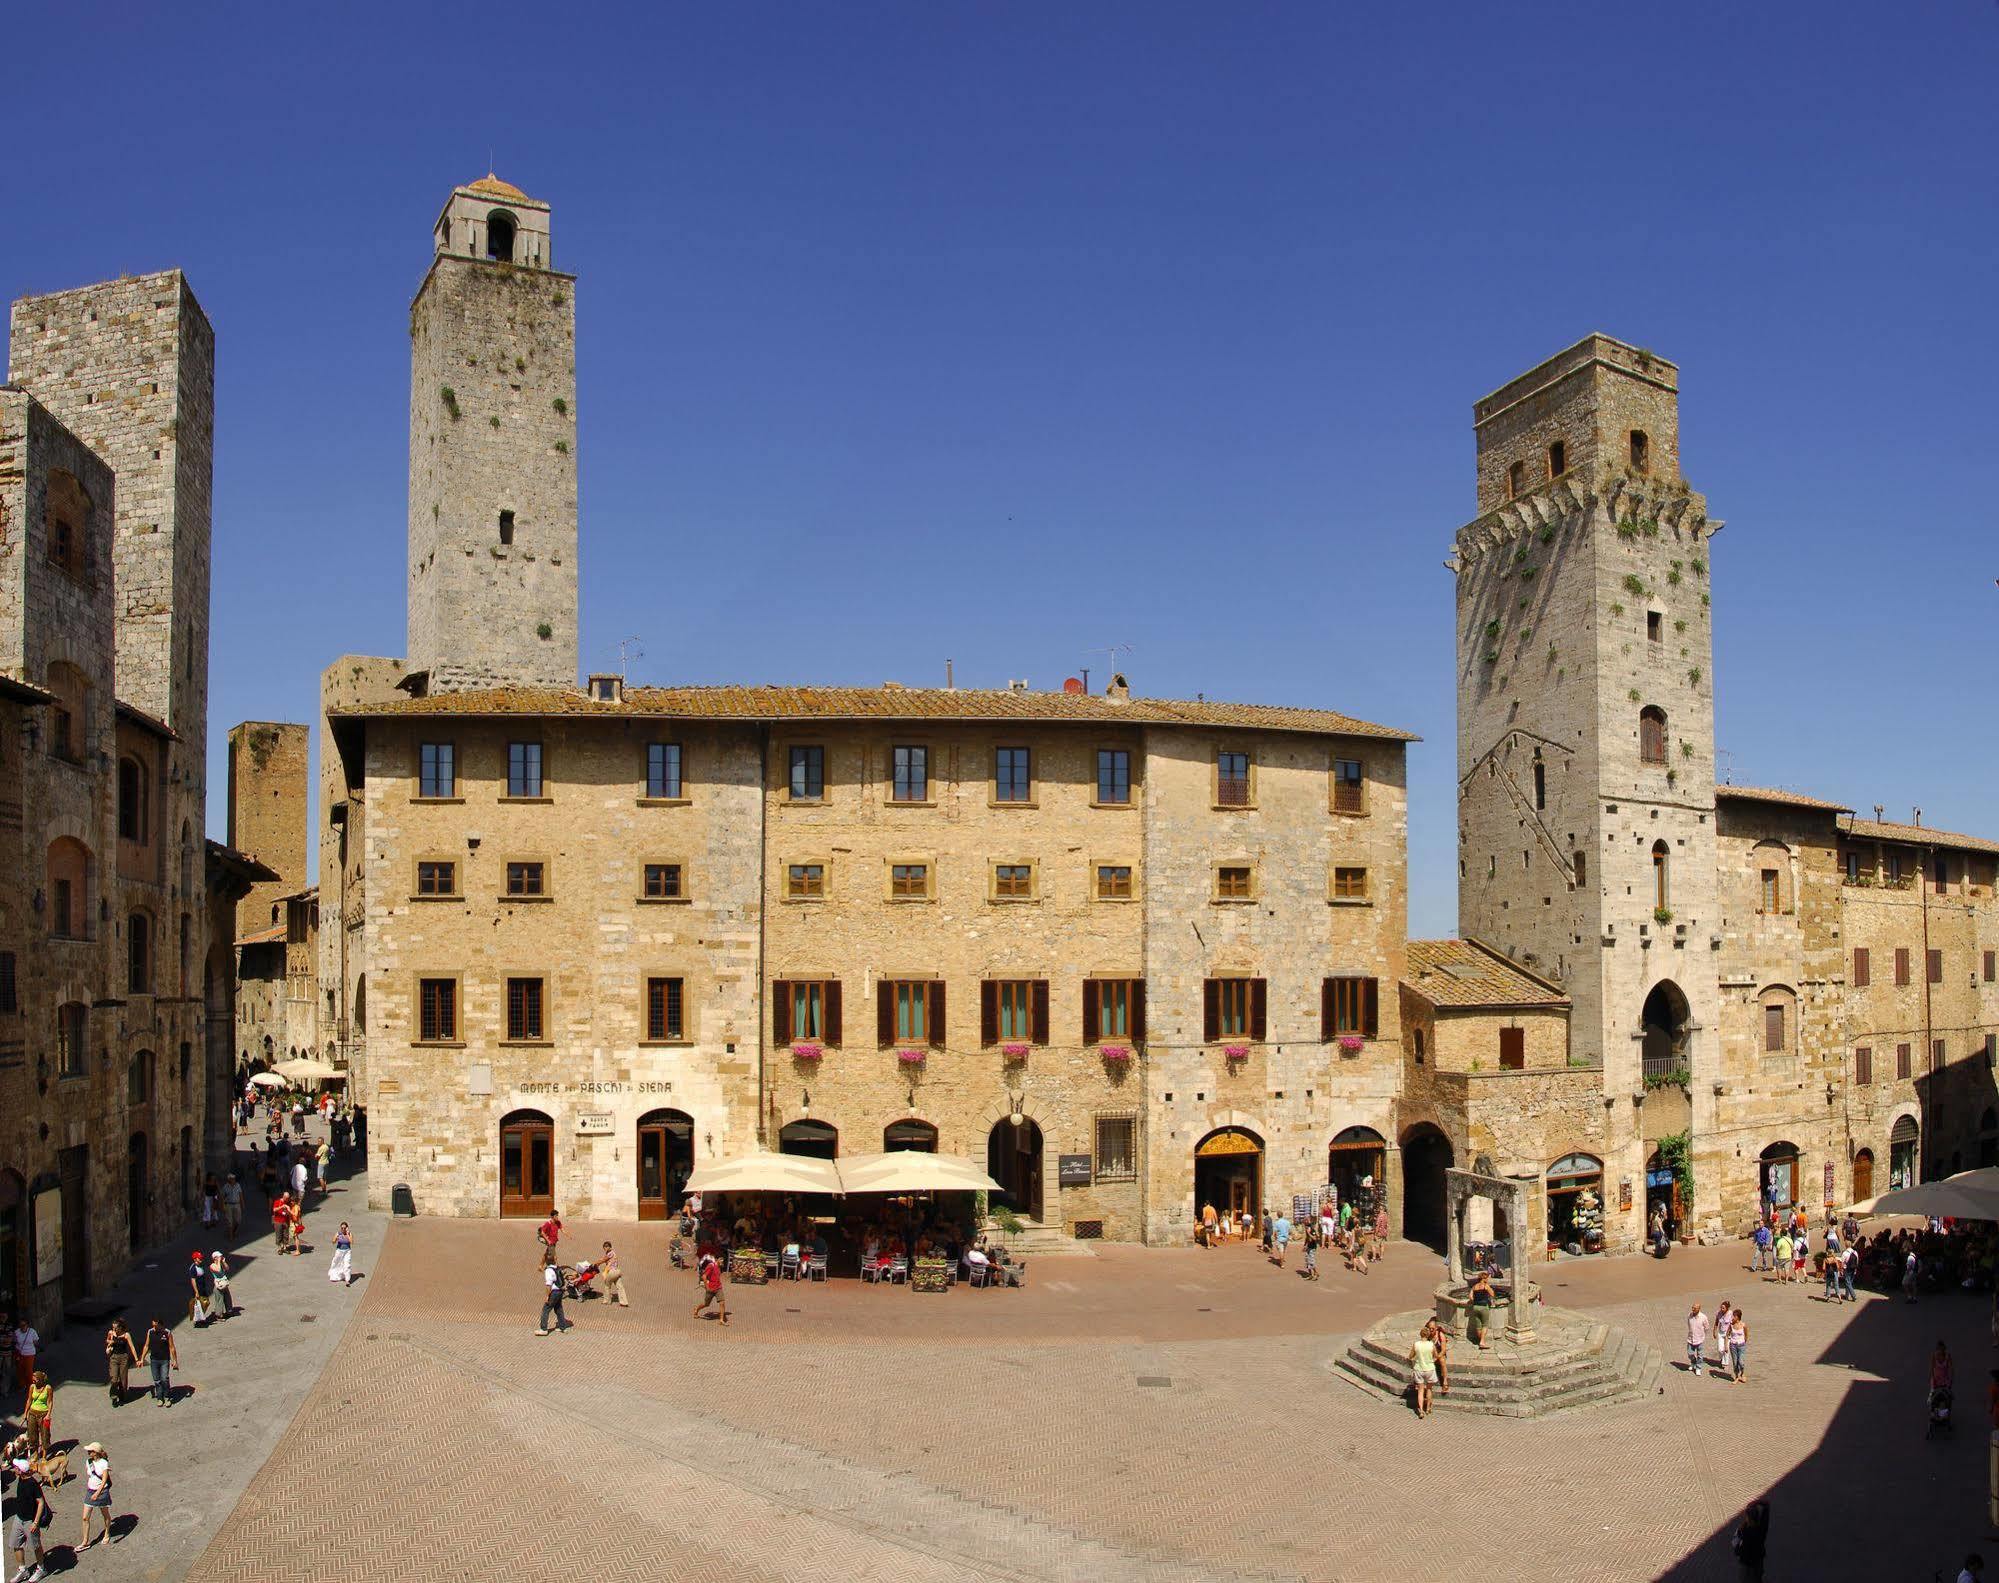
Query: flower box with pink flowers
<point x="912" y="1057"/>
<point x="1115" y="1054"/>
<point x="1352" y="1044"/>
<point x="1014" y="1052"/>
<point x="804" y="1051"/>
<point x="1236" y="1052"/>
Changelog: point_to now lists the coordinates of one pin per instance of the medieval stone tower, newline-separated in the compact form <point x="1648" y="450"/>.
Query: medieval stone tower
<point x="492" y="499"/>
<point x="1586" y="803"/>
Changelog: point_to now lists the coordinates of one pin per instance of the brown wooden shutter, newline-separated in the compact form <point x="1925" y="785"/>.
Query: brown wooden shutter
<point x="1370" y="1016"/>
<point x="1325" y="1011"/>
<point x="780" y="1012"/>
<point x="988" y="1012"/>
<point x="1257" y="1007"/>
<point x="1861" y="975"/>
<point x="885" y="1012"/>
<point x="937" y="1015"/>
<point x="1092" y="1020"/>
<point x="1136" y="989"/>
<point x="1040" y="1011"/>
<point x="1211" y="1010"/>
<point x="1936" y="967"/>
<point x="1901" y="964"/>
<point x="831" y="989"/>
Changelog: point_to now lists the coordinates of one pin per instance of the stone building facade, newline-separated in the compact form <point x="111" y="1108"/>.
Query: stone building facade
<point x="110" y="975"/>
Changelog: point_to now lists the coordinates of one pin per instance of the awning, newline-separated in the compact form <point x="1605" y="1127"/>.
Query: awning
<point x="914" y="1171"/>
<point x="766" y="1173"/>
<point x="1969" y="1195"/>
<point x="267" y="1080"/>
<point x="306" y="1070"/>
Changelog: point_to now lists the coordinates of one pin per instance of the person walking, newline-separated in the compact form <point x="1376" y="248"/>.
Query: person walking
<point x="295" y="1220"/>
<point x="1423" y="1365"/>
<point x="1478" y="1312"/>
<point x="1801" y="1253"/>
<point x="1724" y="1320"/>
<point x="321" y="1158"/>
<point x="41" y="1409"/>
<point x="614" y="1277"/>
<point x="119" y="1355"/>
<point x="1312" y="1251"/>
<point x="549" y="1232"/>
<point x="1783" y="1272"/>
<point x="163" y="1357"/>
<point x="1760" y="1258"/>
<point x="710" y="1274"/>
<point x="299" y="1178"/>
<point x="342" y="1267"/>
<point x="1752" y="1538"/>
<point x="1908" y="1280"/>
<point x="1738" y="1345"/>
<point x="1697" y="1329"/>
<point x="1441" y="1336"/>
<point x="1849" y="1263"/>
<point x="551" y="1301"/>
<point x="199" y="1288"/>
<point x="281" y="1223"/>
<point x="218" y="1275"/>
<point x="232" y="1205"/>
<point x="27" y="1342"/>
<point x="1280" y="1236"/>
<point x="27" y="1513"/>
<point x="96" y="1494"/>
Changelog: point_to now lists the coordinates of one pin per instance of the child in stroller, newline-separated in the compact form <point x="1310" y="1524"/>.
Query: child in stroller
<point x="1939" y="1421"/>
<point x="577" y="1281"/>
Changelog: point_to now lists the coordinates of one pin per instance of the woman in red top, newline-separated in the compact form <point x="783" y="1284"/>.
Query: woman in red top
<point x="281" y="1221"/>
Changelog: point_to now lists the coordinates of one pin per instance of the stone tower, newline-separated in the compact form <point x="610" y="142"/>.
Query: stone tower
<point x="1586" y="733"/>
<point x="492" y="504"/>
<point x="270" y="806"/>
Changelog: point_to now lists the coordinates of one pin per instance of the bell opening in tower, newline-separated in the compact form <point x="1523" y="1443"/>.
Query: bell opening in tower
<point x="500" y="237"/>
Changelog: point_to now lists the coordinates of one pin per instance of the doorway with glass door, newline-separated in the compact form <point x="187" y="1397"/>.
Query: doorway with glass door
<point x="666" y="1160"/>
<point x="527" y="1166"/>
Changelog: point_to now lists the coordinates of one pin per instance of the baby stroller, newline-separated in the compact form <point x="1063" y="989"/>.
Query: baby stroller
<point x="676" y="1254"/>
<point x="1939" y="1422"/>
<point x="576" y="1281"/>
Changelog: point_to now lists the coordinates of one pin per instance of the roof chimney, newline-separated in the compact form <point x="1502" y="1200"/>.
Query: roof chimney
<point x="1917" y="820"/>
<point x="606" y="689"/>
<point x="1119" y="687"/>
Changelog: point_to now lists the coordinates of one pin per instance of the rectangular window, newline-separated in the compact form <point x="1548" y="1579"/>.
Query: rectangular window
<point x="1013" y="1011"/>
<point x="808" y="774"/>
<point x="1991" y="963"/>
<point x="1655" y="627"/>
<point x="665" y="999"/>
<point x="1117" y="1149"/>
<point x="1853" y="868"/>
<point x="1901" y="964"/>
<point x="1936" y="1055"/>
<point x="912" y="775"/>
<point x="1936" y="967"/>
<point x="805" y="881"/>
<point x="1895" y="868"/>
<point x="1013" y="881"/>
<point x="1991" y="1050"/>
<point x="523" y="769"/>
<point x="1349" y="884"/>
<point x="1012" y="779"/>
<point x="1349" y="1006"/>
<point x="1512" y="1049"/>
<point x="1769" y="897"/>
<point x="1862" y="969"/>
<point x="437" y="879"/>
<point x="524" y="1009"/>
<point x="663" y="882"/>
<point x="1233" y="1009"/>
<point x="663" y="769"/>
<point x="527" y="879"/>
<point x="437" y="1010"/>
<point x="909" y="881"/>
<point x="1349" y="786"/>
<point x="1114" y="882"/>
<point x="71" y="1053"/>
<point x="1113" y="1010"/>
<point x="1943" y="876"/>
<point x="1902" y="1063"/>
<point x="916" y="1012"/>
<point x="10" y="995"/>
<point x="1232" y="780"/>
<point x="1232" y="883"/>
<point x="806" y="1011"/>
<point x="439" y="776"/>
<point x="1773" y="1029"/>
<point x="1863" y="1067"/>
<point x="1113" y="777"/>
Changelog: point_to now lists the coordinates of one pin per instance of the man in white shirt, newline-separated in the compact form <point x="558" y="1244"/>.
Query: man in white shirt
<point x="27" y="1342"/>
<point x="232" y="1204"/>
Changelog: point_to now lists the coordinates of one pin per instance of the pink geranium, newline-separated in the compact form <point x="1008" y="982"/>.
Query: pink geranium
<point x="912" y="1057"/>
<point x="806" y="1052"/>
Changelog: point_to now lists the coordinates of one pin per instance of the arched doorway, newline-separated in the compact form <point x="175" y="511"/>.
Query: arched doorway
<point x="1665" y="1020"/>
<point x="1228" y="1172"/>
<point x="666" y="1160"/>
<point x="815" y="1138"/>
<point x="1863" y="1175"/>
<point x="1426" y="1155"/>
<point x="527" y="1165"/>
<point x="911" y="1134"/>
<point x="1356" y="1165"/>
<point x="1778" y="1168"/>
<point x="1013" y="1159"/>
<point x="1902" y="1140"/>
<point x="135" y="1189"/>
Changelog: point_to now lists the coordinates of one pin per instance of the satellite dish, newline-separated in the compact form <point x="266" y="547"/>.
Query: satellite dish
<point x="1072" y="684"/>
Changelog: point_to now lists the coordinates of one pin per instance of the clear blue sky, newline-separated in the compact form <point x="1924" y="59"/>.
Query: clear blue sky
<point x="1006" y="333"/>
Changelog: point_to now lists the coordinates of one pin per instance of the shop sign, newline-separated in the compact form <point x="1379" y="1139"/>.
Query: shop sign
<point x="1073" y="1170"/>
<point x="594" y="1124"/>
<point x="1624" y="1193"/>
<point x="48" y="1235"/>
<point x="1659" y="1178"/>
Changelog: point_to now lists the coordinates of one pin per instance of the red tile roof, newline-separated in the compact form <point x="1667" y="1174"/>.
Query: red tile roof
<point x="1772" y="794"/>
<point x="1915" y="834"/>
<point x="1468" y="974"/>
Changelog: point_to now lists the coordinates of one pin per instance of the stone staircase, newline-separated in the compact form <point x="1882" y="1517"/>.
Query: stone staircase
<point x="1574" y="1361"/>
<point x="1038" y="1240"/>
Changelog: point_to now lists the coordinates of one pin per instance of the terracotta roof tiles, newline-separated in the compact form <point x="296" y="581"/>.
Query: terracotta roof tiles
<point x="1772" y="794"/>
<point x="1468" y="974"/>
<point x="1917" y="834"/>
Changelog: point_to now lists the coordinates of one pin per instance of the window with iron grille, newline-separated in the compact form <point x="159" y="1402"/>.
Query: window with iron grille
<point x="524" y="1009"/>
<point x="1013" y="881"/>
<point x="526" y="879"/>
<point x="1113" y="776"/>
<point x="523" y="769"/>
<point x="1117" y="1149"/>
<point x="663" y="769"/>
<point x="1012" y="779"/>
<point x="437" y="1010"/>
<point x="1232" y="883"/>
<point x="1232" y="779"/>
<point x="1350" y="884"/>
<point x="804" y="881"/>
<point x="436" y="878"/>
<point x="439" y="775"/>
<point x="1114" y="882"/>
<point x="909" y="881"/>
<point x="663" y="882"/>
<point x="1349" y="786"/>
<point x="911" y="775"/>
<point x="664" y="1000"/>
<point x="808" y="774"/>
<point x="1768" y="901"/>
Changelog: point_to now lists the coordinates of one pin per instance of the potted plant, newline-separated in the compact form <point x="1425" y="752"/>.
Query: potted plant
<point x="1236" y="1052"/>
<point x="1115" y="1054"/>
<point x="1014" y="1052"/>
<point x="912" y="1057"/>
<point x="1351" y="1044"/>
<point x="805" y="1050"/>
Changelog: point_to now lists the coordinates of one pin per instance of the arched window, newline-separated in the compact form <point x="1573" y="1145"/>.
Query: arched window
<point x="1516" y="479"/>
<point x="69" y="715"/>
<point x="1662" y="875"/>
<point x="500" y="236"/>
<point x="1652" y="734"/>
<point x="138" y="954"/>
<point x="1641" y="451"/>
<point x="135" y="821"/>
<point x="1540" y="781"/>
<point x="69" y="889"/>
<point x="1558" y="459"/>
<point x="1581" y="862"/>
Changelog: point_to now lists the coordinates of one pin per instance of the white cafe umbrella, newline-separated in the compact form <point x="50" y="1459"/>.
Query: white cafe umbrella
<point x="267" y="1080"/>
<point x="306" y="1070"/>
<point x="1969" y="1195"/>
<point x="914" y="1171"/>
<point x="766" y="1173"/>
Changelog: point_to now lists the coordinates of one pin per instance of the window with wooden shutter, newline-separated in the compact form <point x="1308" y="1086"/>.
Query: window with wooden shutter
<point x="1092" y="990"/>
<point x="885" y="1012"/>
<point x="1863" y="1066"/>
<point x="1902" y="1063"/>
<point x="1512" y="1049"/>
<point x="1936" y="967"/>
<point x="1991" y="963"/>
<point x="1861" y="969"/>
<point x="1652" y="735"/>
<point x="1258" y="1010"/>
<point x="989" y="995"/>
<point x="1901" y="964"/>
<point x="1936" y="1055"/>
<point x="1773" y="1028"/>
<point x="831" y="992"/>
<point x="1234" y="882"/>
<point x="1037" y="1022"/>
<point x="780" y="1011"/>
<point x="1211" y="1010"/>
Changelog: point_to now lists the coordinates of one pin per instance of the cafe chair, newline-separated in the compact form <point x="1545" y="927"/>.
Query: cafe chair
<point x="978" y="1274"/>
<point x="787" y="1269"/>
<point x="815" y="1267"/>
<point x="1016" y="1274"/>
<point x="870" y="1271"/>
<point x="898" y="1272"/>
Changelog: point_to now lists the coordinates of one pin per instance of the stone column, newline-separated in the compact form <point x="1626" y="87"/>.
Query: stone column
<point x="1454" y="1240"/>
<point x="1519" y="1328"/>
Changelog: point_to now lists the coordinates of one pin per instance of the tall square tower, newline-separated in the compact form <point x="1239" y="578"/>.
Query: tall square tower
<point x="492" y="491"/>
<point x="1586" y="728"/>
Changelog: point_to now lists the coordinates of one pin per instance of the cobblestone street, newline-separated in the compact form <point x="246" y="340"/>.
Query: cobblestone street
<point x="1144" y="1414"/>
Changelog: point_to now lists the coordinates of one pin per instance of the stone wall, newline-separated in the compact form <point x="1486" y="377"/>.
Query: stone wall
<point x="270" y="810"/>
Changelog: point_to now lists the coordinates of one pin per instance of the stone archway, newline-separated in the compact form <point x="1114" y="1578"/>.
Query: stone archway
<point x="1426" y="1156"/>
<point x="1667" y="1021"/>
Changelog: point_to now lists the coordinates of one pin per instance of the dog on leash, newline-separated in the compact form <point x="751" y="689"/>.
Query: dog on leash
<point x="51" y="1470"/>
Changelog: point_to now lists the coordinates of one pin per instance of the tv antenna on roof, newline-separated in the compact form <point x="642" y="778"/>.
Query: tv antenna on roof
<point x="1112" y="651"/>
<point x="629" y="649"/>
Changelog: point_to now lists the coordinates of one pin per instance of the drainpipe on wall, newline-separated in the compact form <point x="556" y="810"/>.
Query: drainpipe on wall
<point x="1929" y="1040"/>
<point x="763" y="861"/>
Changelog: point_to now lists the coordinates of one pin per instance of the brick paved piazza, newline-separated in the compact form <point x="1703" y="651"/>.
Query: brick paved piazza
<point x="1143" y="1414"/>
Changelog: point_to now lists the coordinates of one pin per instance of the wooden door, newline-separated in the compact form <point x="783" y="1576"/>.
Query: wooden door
<point x="1863" y="1175"/>
<point x="72" y="1171"/>
<point x="652" y="1171"/>
<point x="527" y="1167"/>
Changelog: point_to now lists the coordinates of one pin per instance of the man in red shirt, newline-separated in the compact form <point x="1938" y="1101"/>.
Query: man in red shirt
<point x="281" y="1221"/>
<point x="550" y="1230"/>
